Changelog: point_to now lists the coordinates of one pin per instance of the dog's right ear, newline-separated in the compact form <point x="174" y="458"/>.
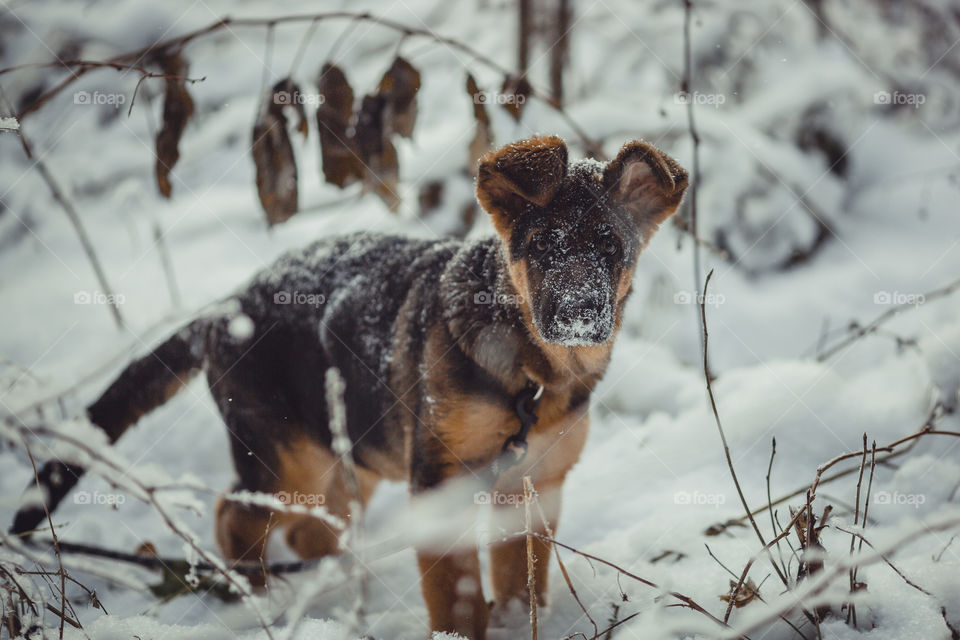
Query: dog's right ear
<point x="512" y="177"/>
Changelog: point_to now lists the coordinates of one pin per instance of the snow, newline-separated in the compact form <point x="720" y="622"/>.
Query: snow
<point x="653" y="476"/>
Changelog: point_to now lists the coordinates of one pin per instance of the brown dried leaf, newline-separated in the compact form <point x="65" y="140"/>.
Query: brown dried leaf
<point x="286" y="93"/>
<point x="341" y="159"/>
<point x="483" y="138"/>
<point x="381" y="167"/>
<point x="274" y="158"/>
<point x="399" y="86"/>
<point x="384" y="176"/>
<point x="177" y="110"/>
<point x="514" y="94"/>
<point x="748" y="593"/>
<point x="721" y="527"/>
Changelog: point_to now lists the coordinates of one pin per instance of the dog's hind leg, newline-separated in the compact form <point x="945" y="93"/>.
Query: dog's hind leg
<point x="242" y="532"/>
<point x="314" y="478"/>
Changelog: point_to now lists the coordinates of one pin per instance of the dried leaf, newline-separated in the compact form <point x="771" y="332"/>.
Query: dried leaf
<point x="399" y="86"/>
<point x="341" y="159"/>
<point x="274" y="158"/>
<point x="386" y="178"/>
<point x="286" y="93"/>
<point x="431" y="196"/>
<point x="721" y="527"/>
<point x="482" y="138"/>
<point x="381" y="170"/>
<point x="177" y="110"/>
<point x="749" y="591"/>
<point x="514" y="94"/>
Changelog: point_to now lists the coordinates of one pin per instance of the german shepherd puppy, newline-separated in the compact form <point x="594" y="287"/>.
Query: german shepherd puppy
<point x="434" y="339"/>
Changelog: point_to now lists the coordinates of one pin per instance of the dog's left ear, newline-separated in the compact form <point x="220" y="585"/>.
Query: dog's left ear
<point x="518" y="174"/>
<point x="646" y="181"/>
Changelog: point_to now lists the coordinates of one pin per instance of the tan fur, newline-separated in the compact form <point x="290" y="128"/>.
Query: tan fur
<point x="242" y="532"/>
<point x="474" y="430"/>
<point x="452" y="591"/>
<point x="310" y="475"/>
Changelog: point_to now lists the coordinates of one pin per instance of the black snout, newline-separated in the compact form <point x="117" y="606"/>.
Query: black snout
<point x="576" y="318"/>
<point x="572" y="312"/>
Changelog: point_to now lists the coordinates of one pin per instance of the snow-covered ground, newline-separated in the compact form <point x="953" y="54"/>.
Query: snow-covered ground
<point x="871" y="78"/>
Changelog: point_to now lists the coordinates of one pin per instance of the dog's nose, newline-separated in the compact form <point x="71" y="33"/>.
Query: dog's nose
<point x="580" y="309"/>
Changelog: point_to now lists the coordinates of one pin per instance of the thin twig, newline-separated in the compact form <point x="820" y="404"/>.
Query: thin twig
<point x="889" y="314"/>
<point x="343" y="447"/>
<point x="73" y="216"/>
<point x="723" y="439"/>
<point x="685" y="85"/>
<point x="852" y="609"/>
<point x="825" y="578"/>
<point x="685" y="600"/>
<point x="563" y="569"/>
<point x="56" y="543"/>
<point x="149" y="493"/>
<point x="773" y="522"/>
<point x="158" y="48"/>
<point x="531" y="559"/>
<point x="866" y="500"/>
<point x="936" y="413"/>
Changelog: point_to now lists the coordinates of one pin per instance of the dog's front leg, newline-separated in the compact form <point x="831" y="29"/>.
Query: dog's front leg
<point x="508" y="559"/>
<point x="452" y="590"/>
<point x="553" y="450"/>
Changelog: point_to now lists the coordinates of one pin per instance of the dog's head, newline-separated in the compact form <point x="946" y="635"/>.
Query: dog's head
<point x="573" y="231"/>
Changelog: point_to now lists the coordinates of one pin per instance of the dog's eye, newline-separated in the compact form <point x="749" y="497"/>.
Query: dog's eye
<point x="610" y="246"/>
<point x="540" y="244"/>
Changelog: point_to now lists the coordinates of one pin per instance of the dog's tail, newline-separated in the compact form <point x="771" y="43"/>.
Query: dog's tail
<point x="143" y="386"/>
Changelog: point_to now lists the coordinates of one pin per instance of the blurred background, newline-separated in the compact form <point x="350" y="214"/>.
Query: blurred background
<point x="823" y="137"/>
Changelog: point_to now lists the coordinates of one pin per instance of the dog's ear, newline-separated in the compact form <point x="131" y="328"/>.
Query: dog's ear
<point x="520" y="173"/>
<point x="646" y="181"/>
